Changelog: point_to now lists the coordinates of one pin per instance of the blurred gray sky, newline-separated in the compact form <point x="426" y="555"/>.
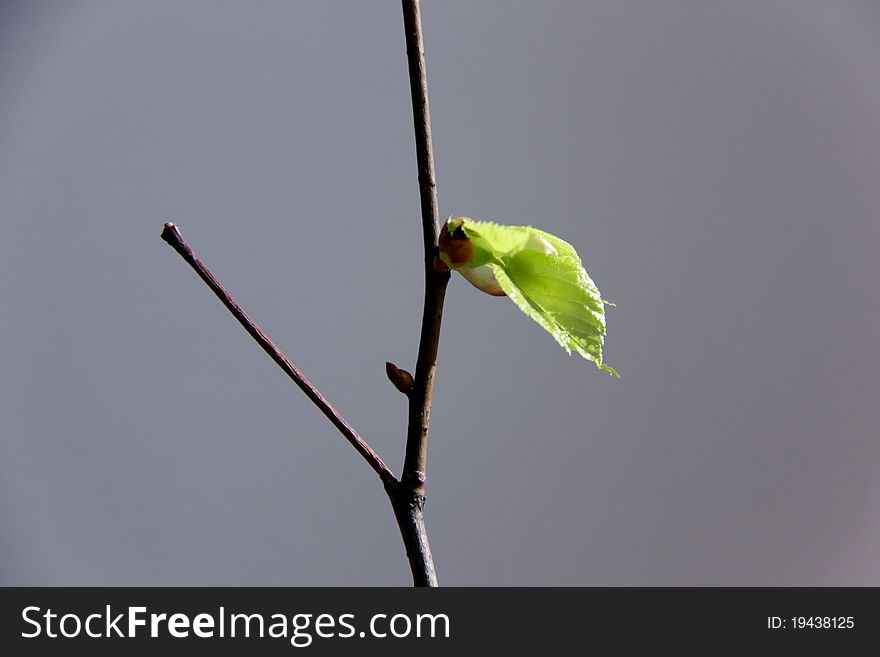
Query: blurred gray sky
<point x="716" y="164"/>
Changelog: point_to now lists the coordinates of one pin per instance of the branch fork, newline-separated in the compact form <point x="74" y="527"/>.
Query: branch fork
<point x="407" y="494"/>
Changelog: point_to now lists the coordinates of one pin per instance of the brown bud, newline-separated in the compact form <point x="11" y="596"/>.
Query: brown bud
<point x="456" y="247"/>
<point x="401" y="379"/>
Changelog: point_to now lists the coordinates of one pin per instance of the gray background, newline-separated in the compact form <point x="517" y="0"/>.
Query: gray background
<point x="716" y="164"/>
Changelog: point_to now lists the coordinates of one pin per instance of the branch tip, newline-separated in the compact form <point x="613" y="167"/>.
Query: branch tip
<point x="172" y="235"/>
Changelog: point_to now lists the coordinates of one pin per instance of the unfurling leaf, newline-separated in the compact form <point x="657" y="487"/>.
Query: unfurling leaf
<point x="541" y="274"/>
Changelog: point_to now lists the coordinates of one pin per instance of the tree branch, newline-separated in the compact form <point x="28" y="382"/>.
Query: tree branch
<point x="172" y="235"/>
<point x="408" y="497"/>
<point x="414" y="468"/>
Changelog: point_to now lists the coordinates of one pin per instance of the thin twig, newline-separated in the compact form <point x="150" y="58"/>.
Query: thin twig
<point x="408" y="497"/>
<point x="414" y="467"/>
<point x="172" y="235"/>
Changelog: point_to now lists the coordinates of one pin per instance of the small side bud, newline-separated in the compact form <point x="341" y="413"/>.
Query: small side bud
<point x="400" y="379"/>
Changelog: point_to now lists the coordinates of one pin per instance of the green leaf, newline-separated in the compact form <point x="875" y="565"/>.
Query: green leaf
<point x="541" y="273"/>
